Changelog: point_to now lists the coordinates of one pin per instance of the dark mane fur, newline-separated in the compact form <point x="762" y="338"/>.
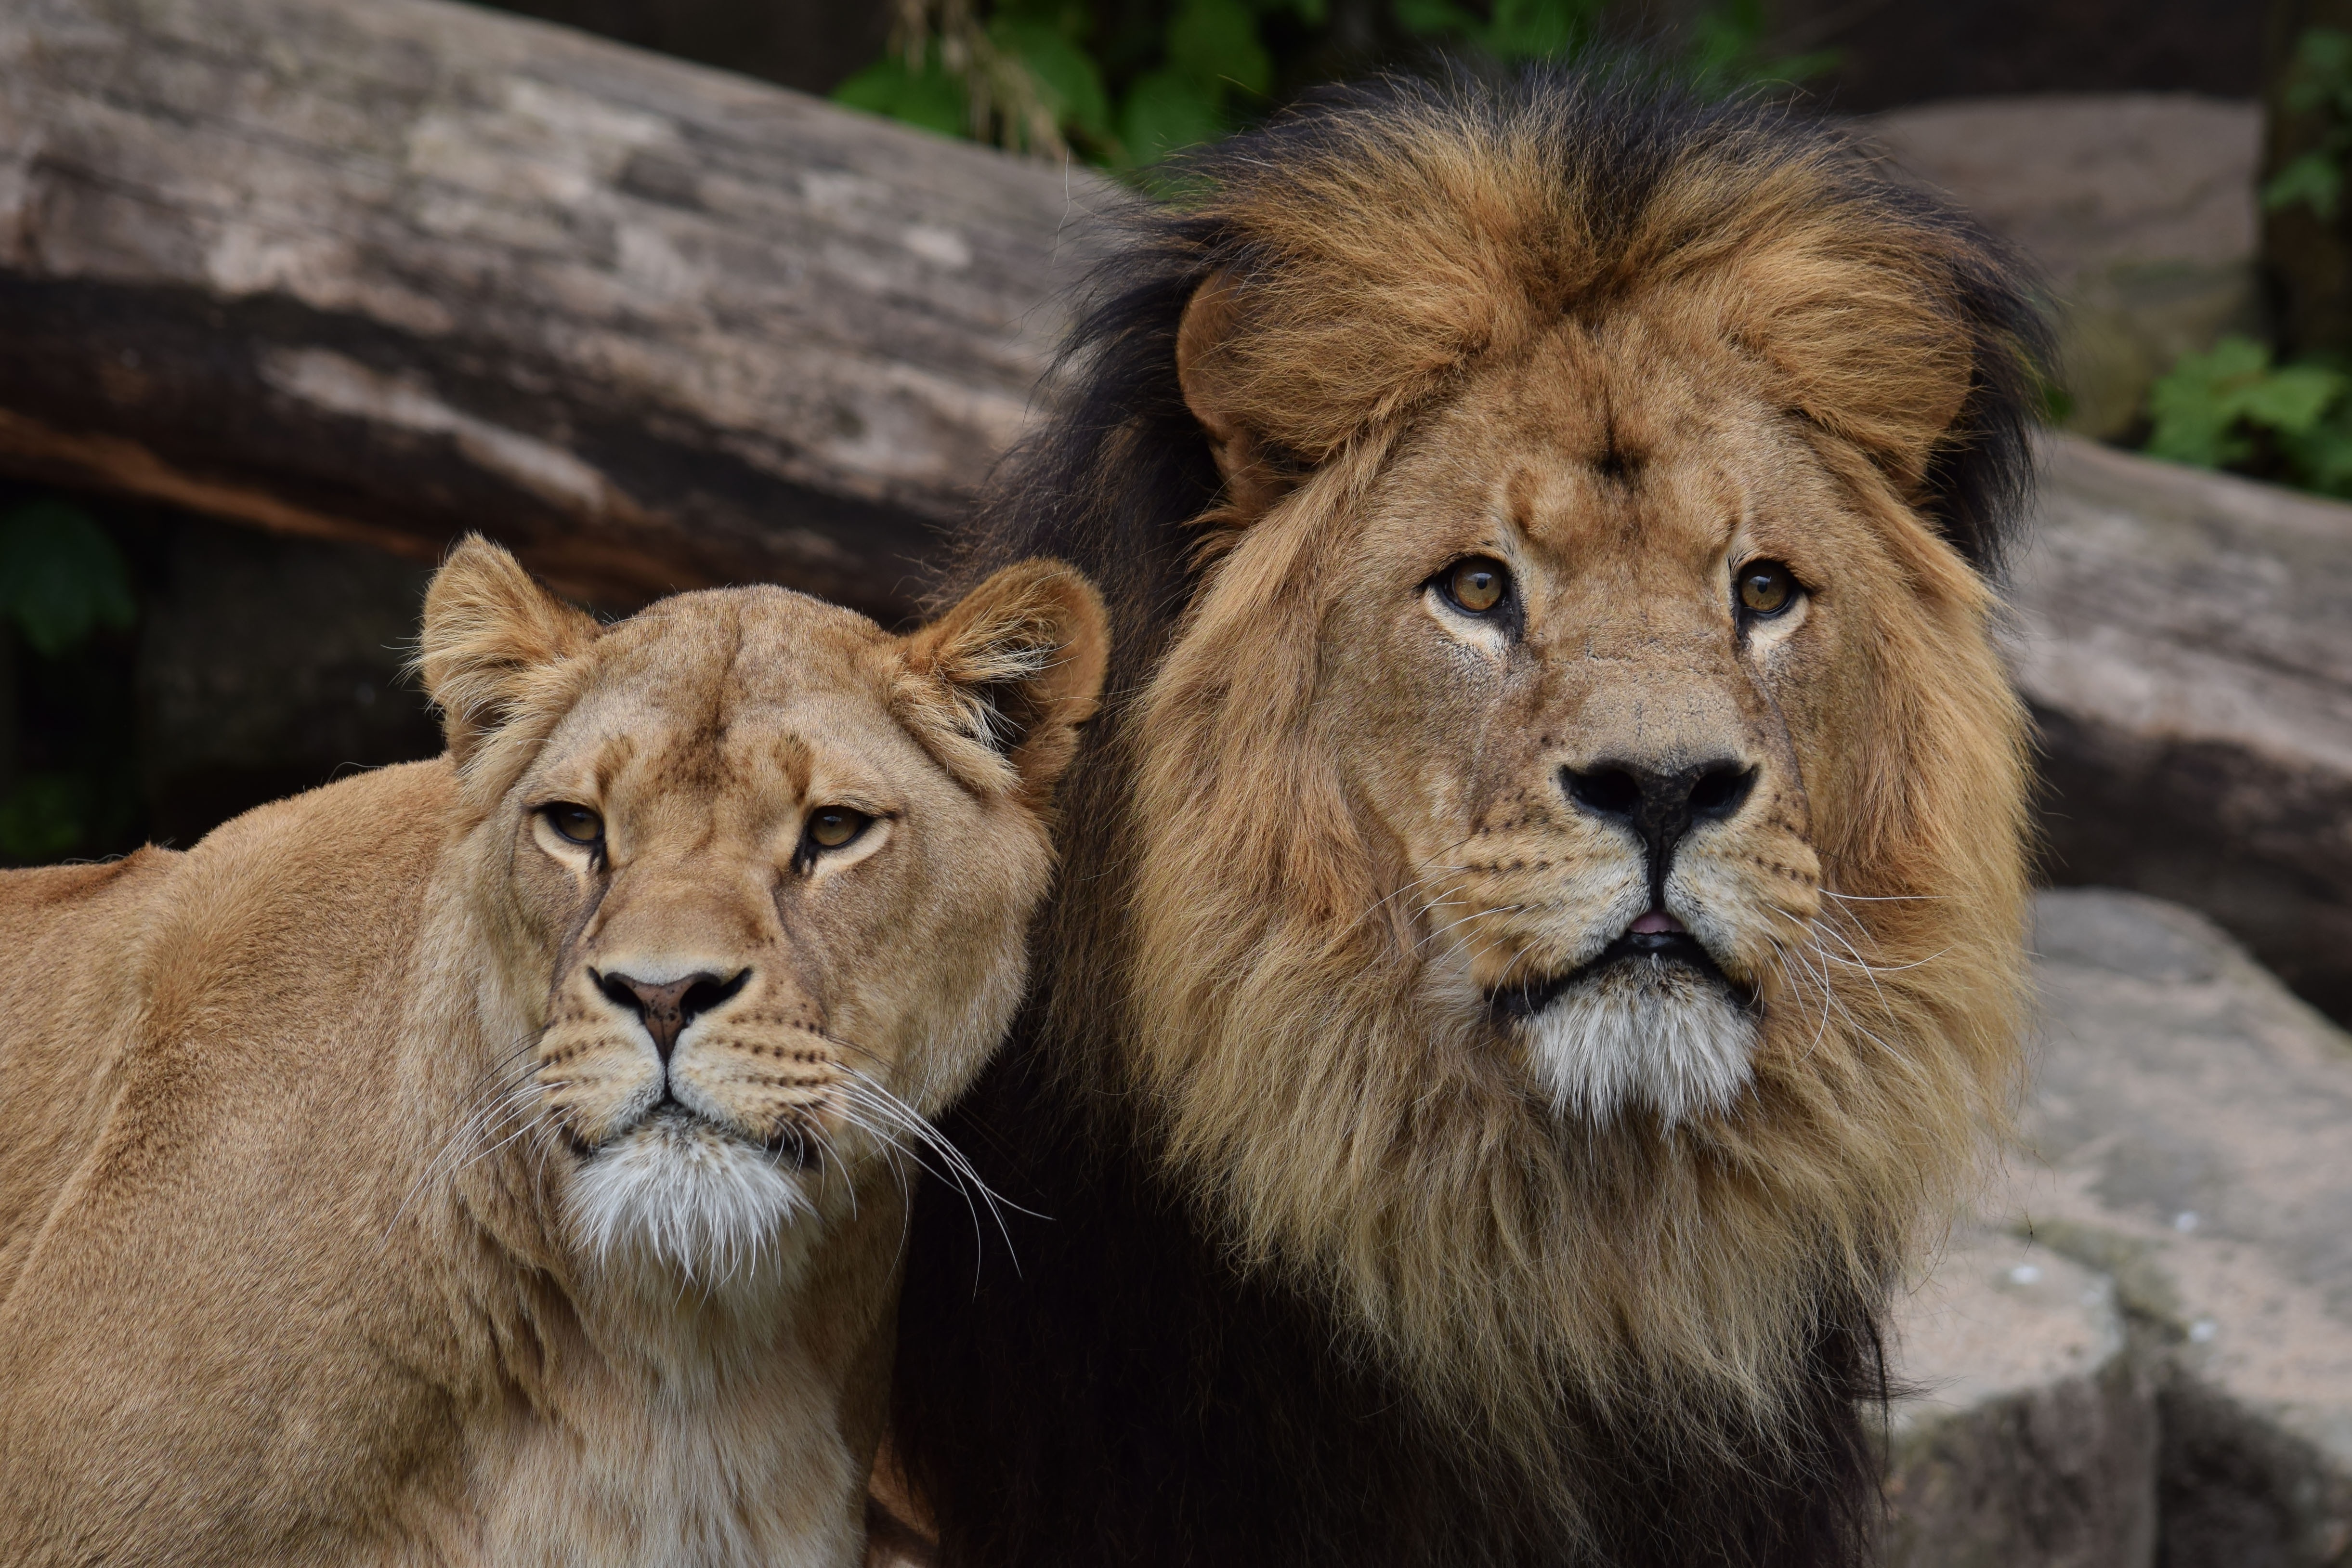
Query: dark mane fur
<point x="1119" y="1391"/>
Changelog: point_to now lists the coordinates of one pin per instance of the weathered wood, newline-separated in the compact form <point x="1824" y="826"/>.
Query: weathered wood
<point x="389" y="269"/>
<point x="2187" y="648"/>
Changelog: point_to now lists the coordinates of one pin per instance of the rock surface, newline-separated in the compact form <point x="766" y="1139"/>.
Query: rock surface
<point x="2146" y="1354"/>
<point x="2138" y="208"/>
<point x="2186" y="642"/>
<point x="2032" y="1437"/>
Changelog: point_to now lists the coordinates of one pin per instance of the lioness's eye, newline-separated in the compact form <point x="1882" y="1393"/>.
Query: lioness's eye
<point x="1766" y="587"/>
<point x="1477" y="584"/>
<point x="576" y="823"/>
<point x="830" y="826"/>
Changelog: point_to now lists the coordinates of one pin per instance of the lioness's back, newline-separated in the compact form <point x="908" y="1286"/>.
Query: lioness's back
<point x="145" y="994"/>
<point x="59" y="925"/>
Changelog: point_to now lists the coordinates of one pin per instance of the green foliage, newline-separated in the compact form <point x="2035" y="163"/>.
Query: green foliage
<point x="2318" y="82"/>
<point x="42" y="818"/>
<point x="1513" y="29"/>
<point x="926" y="94"/>
<point x="2232" y="409"/>
<point x="61" y="577"/>
<point x="1048" y="75"/>
<point x="1728" y="52"/>
<point x="62" y="581"/>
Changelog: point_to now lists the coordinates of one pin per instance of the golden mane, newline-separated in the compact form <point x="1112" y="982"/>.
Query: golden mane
<point x="1238" y="1002"/>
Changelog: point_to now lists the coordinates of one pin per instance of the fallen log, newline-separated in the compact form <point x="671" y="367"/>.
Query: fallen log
<point x="384" y="271"/>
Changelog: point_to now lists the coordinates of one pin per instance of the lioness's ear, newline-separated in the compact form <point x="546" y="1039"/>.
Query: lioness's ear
<point x="487" y="627"/>
<point x="1254" y="472"/>
<point x="1001" y="683"/>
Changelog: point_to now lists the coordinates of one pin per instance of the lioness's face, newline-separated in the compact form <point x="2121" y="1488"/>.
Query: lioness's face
<point x="767" y="877"/>
<point x="1602" y="631"/>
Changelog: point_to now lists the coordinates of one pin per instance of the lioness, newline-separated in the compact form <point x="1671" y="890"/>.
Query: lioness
<point x="1541" y="942"/>
<point x="495" y="1160"/>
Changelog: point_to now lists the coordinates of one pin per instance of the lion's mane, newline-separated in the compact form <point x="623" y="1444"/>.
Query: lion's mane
<point x="1308" y="1292"/>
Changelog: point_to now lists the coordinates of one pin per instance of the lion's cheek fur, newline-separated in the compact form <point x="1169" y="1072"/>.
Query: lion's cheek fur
<point x="1330" y="1098"/>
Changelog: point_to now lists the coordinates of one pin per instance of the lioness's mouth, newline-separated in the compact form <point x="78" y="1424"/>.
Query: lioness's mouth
<point x="1651" y="947"/>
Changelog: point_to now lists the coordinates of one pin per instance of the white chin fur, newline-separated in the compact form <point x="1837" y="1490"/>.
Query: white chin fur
<point x="686" y="1197"/>
<point x="1643" y="1035"/>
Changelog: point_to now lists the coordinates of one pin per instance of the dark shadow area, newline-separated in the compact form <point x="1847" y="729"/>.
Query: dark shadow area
<point x="235" y="668"/>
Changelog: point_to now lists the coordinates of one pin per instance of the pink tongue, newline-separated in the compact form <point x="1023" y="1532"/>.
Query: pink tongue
<point x="1656" y="921"/>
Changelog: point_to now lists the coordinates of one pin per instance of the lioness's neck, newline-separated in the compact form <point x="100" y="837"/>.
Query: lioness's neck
<point x="628" y="1412"/>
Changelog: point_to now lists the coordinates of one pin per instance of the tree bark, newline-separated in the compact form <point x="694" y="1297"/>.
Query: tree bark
<point x="386" y="270"/>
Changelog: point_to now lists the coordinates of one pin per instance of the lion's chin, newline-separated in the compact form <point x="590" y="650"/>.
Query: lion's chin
<point x="1641" y="1033"/>
<point x="680" y="1194"/>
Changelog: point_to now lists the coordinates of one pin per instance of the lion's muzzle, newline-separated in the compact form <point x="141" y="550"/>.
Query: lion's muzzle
<point x="1660" y="805"/>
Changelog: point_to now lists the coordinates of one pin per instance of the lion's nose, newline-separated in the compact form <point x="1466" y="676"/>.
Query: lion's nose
<point x="667" y="1010"/>
<point x="1660" y="806"/>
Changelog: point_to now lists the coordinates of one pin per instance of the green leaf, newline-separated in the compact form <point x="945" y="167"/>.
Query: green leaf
<point x="2322" y="459"/>
<point x="1216" y="41"/>
<point x="1540" y="29"/>
<point x="2325" y="55"/>
<point x="1067" y="79"/>
<point x="2314" y="179"/>
<point x="1167" y="111"/>
<point x="930" y="98"/>
<point x="61" y="578"/>
<point x="41" y="818"/>
<point x="2289" y="399"/>
<point x="2194" y="405"/>
<point x="1428" y="19"/>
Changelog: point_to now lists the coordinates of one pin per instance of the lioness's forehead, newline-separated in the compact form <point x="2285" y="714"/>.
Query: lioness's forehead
<point x="731" y="647"/>
<point x="730" y="678"/>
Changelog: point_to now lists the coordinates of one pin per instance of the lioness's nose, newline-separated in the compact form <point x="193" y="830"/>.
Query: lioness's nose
<point x="667" y="1010"/>
<point x="1660" y="806"/>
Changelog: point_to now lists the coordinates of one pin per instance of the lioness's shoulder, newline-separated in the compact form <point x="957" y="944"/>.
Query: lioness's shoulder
<point x="44" y="895"/>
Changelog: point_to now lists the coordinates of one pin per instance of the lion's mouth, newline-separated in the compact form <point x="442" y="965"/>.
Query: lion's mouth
<point x="1646" y="943"/>
<point x="790" y="1146"/>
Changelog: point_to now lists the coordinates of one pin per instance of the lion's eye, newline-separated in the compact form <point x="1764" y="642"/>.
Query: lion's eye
<point x="1766" y="587"/>
<point x="830" y="826"/>
<point x="1477" y="584"/>
<point x="576" y="823"/>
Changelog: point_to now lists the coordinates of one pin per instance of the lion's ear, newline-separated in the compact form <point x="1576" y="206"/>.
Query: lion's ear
<point x="489" y="627"/>
<point x="1000" y="684"/>
<point x="1254" y="471"/>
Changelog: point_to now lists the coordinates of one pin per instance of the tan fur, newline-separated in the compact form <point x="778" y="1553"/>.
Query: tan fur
<point x="1352" y="824"/>
<point x="299" y="1257"/>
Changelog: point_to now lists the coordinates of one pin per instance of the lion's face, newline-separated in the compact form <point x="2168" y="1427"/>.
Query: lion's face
<point x="1592" y="647"/>
<point x="765" y="873"/>
<point x="1577" y="846"/>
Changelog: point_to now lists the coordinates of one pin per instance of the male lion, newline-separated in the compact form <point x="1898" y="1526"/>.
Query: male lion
<point x="491" y="1159"/>
<point x="1541" y="944"/>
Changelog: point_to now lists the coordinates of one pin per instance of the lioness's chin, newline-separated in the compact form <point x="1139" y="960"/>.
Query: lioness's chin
<point x="677" y="1193"/>
<point x="1668" y="1037"/>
